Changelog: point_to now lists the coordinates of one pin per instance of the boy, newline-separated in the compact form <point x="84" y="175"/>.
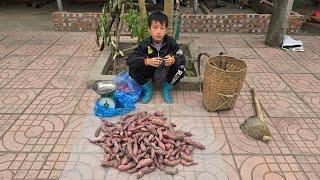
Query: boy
<point x="151" y="53"/>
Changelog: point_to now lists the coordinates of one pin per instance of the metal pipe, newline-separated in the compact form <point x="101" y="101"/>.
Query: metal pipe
<point x="60" y="7"/>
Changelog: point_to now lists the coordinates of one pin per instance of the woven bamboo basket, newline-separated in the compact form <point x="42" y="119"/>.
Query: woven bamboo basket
<point x="223" y="79"/>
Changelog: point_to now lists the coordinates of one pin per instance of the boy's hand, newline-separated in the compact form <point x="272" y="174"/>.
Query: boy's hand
<point x="169" y="60"/>
<point x="155" y="62"/>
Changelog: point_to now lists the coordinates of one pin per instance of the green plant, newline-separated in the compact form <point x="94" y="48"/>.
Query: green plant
<point x="137" y="26"/>
<point x="111" y="22"/>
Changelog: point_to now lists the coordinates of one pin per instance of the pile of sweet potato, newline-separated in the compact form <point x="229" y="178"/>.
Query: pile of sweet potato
<point x="142" y="142"/>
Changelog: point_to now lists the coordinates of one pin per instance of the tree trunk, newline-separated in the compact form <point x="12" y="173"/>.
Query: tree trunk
<point x="168" y="10"/>
<point x="278" y="22"/>
<point x="143" y="10"/>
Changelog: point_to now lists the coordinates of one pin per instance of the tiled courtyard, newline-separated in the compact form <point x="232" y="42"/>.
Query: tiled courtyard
<point x="46" y="110"/>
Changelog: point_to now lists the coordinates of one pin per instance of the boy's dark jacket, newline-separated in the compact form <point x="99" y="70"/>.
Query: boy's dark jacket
<point x="146" y="49"/>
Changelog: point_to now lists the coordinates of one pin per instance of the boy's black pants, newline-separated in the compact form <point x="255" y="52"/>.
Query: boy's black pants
<point x="144" y="74"/>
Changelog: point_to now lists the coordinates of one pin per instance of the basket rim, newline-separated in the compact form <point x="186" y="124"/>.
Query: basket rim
<point x="244" y="69"/>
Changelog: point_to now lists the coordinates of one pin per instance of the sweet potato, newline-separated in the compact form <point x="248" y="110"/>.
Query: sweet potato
<point x="95" y="139"/>
<point x="171" y="163"/>
<point x="97" y="132"/>
<point x="185" y="156"/>
<point x="158" y="113"/>
<point x="126" y="117"/>
<point x="108" y="123"/>
<point x="187" y="163"/>
<point x="142" y="141"/>
<point x="159" y="122"/>
<point x="160" y="134"/>
<point x="144" y="163"/>
<point x="195" y="144"/>
<point x="168" y="153"/>
<point x="160" y="143"/>
<point x="125" y="160"/>
<point x="130" y="152"/>
<point x="144" y="171"/>
<point x="151" y="129"/>
<point x="160" y="151"/>
<point x="168" y="141"/>
<point x="143" y="147"/>
<point x="135" y="149"/>
<point x="126" y="167"/>
<point x="140" y="156"/>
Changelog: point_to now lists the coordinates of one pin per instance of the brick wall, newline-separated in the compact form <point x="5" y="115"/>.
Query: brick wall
<point x="246" y="23"/>
<point x="68" y="21"/>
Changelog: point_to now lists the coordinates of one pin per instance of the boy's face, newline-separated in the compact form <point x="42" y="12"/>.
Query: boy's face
<point x="157" y="31"/>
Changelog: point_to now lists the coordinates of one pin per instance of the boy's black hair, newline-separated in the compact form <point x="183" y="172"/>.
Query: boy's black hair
<point x="158" y="16"/>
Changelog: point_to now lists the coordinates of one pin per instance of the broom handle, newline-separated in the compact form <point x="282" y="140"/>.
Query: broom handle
<point x="257" y="105"/>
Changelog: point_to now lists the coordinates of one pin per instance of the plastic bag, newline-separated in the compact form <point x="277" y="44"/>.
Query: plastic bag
<point x="126" y="95"/>
<point x="160" y="73"/>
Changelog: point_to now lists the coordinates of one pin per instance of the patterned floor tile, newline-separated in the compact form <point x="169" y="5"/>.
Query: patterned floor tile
<point x="21" y="36"/>
<point x="242" y="53"/>
<point x="32" y="79"/>
<point x="312" y="100"/>
<point x="87" y="102"/>
<point x="269" y="167"/>
<point x="87" y="166"/>
<point x="6" y="120"/>
<point x="286" y="66"/>
<point x="55" y="101"/>
<point x="16" y="100"/>
<point x="254" y="41"/>
<point x="34" y="133"/>
<point x="310" y="165"/>
<point x="243" y="144"/>
<point x="266" y="82"/>
<point x="306" y="55"/>
<point x="302" y="82"/>
<point x="88" y="51"/>
<point x="31" y="49"/>
<point x="48" y="62"/>
<point x="3" y="35"/>
<point x="5" y="161"/>
<point x="32" y="165"/>
<point x="235" y="42"/>
<point x="189" y="110"/>
<point x="73" y="38"/>
<point x="301" y="135"/>
<point x="242" y="108"/>
<point x="273" y="54"/>
<point x="278" y="104"/>
<point x="207" y="130"/>
<point x="71" y="135"/>
<point x="257" y="65"/>
<point x="16" y="62"/>
<point x="312" y="65"/>
<point x="69" y="79"/>
<point x="212" y="42"/>
<point x="6" y="75"/>
<point x="49" y="38"/>
<point x="80" y="63"/>
<point x="61" y="50"/>
<point x="211" y="51"/>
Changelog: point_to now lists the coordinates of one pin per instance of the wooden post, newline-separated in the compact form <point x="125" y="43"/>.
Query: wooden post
<point x="143" y="10"/>
<point x="278" y="22"/>
<point x="168" y="10"/>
